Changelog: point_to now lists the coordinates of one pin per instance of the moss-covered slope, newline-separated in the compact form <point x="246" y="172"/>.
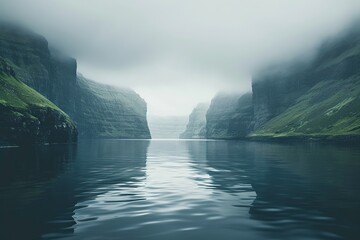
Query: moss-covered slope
<point x="26" y="117"/>
<point x="330" y="109"/>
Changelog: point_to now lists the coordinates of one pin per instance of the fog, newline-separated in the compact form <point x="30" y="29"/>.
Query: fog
<point x="177" y="53"/>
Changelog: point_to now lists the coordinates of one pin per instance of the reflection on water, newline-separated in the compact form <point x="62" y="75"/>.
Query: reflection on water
<point x="129" y="189"/>
<point x="30" y="194"/>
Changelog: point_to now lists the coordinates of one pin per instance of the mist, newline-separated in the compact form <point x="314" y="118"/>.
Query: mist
<point x="178" y="53"/>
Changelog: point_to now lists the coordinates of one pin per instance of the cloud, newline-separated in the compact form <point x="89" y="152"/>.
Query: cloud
<point x="164" y="48"/>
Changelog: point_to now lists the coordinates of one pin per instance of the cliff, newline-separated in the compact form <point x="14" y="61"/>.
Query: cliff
<point x="26" y="117"/>
<point x="320" y="99"/>
<point x="98" y="110"/>
<point x="109" y="112"/>
<point x="229" y="116"/>
<point x="196" y="127"/>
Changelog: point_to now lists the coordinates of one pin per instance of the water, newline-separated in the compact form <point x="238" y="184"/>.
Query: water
<point x="133" y="189"/>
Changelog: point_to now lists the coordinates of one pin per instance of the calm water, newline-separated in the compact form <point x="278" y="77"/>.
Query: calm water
<point x="116" y="189"/>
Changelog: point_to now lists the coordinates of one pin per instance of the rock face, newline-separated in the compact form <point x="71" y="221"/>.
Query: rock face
<point x="321" y="99"/>
<point x="229" y="116"/>
<point x="196" y="127"/>
<point x="26" y="117"/>
<point x="110" y="112"/>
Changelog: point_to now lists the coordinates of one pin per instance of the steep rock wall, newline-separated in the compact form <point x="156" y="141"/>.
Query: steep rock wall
<point x="109" y="112"/>
<point x="229" y="116"/>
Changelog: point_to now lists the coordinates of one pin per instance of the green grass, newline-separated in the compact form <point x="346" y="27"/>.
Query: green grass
<point x="18" y="96"/>
<point x="329" y="109"/>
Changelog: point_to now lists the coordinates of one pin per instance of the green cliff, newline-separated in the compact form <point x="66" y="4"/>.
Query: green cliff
<point x="330" y="109"/>
<point x="26" y="117"/>
<point x="318" y="100"/>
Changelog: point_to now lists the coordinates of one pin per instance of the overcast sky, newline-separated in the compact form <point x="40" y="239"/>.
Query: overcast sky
<point x="176" y="53"/>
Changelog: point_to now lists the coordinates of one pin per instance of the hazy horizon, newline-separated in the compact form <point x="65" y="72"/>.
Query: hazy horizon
<point x="176" y="54"/>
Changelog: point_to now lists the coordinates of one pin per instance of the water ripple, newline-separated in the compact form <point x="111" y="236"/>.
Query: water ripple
<point x="114" y="189"/>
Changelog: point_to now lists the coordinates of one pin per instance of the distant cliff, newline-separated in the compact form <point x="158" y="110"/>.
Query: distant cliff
<point x="98" y="110"/>
<point x="167" y="127"/>
<point x="229" y="116"/>
<point x="26" y="117"/>
<point x="196" y="127"/>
